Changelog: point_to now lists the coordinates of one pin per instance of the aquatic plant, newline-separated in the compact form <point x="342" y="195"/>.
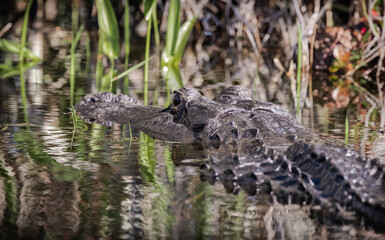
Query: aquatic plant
<point x="126" y="43"/>
<point x="109" y="39"/>
<point x="176" y="39"/>
<point x="74" y="43"/>
<point x="149" y="7"/>
<point x="21" y="60"/>
<point x="7" y="69"/>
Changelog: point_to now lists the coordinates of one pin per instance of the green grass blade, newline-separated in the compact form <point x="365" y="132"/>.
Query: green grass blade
<point x="88" y="53"/>
<point x="24" y="31"/>
<point x="21" y="60"/>
<point x="175" y="78"/>
<point x="126" y="43"/>
<point x="73" y="63"/>
<point x="99" y="64"/>
<point x="11" y="71"/>
<point x="14" y="47"/>
<point x="156" y="32"/>
<point x="109" y="30"/>
<point x="183" y="36"/>
<point x="146" y="55"/>
<point x="173" y="23"/>
<point x="128" y="71"/>
<point x="75" y="16"/>
<point x="149" y="6"/>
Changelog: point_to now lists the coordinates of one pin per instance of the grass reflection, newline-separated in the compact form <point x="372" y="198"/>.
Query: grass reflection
<point x="160" y="220"/>
<point x="9" y="183"/>
<point x="147" y="159"/>
<point x="31" y="144"/>
<point x="216" y="215"/>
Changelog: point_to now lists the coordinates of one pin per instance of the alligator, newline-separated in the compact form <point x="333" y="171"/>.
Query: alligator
<point x="255" y="146"/>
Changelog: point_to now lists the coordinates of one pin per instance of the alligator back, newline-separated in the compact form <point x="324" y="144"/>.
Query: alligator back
<point x="332" y="177"/>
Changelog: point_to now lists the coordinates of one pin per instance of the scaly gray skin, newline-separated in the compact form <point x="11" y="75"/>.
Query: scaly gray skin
<point x="233" y="116"/>
<point x="294" y="171"/>
<point x="107" y="108"/>
<point x="332" y="177"/>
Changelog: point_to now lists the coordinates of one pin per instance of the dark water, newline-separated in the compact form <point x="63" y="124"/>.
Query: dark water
<point x="63" y="179"/>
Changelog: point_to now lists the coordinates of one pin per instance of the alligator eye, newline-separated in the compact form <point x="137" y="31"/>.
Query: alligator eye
<point x="176" y="100"/>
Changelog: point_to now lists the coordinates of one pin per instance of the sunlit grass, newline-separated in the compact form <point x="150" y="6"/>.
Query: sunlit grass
<point x="27" y="58"/>
<point x="176" y="39"/>
<point x="125" y="73"/>
<point x="109" y="42"/>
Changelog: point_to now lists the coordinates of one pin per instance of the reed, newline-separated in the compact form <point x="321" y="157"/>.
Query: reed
<point x="99" y="65"/>
<point x="29" y="58"/>
<point x="146" y="65"/>
<point x="88" y="53"/>
<point x="156" y="31"/>
<point x="149" y="7"/>
<point x="126" y="43"/>
<point x="75" y="16"/>
<point x="299" y="71"/>
<point x="125" y="73"/>
<point x="24" y="31"/>
<point x="21" y="60"/>
<point x="109" y="37"/>
<point x="14" y="47"/>
<point x="176" y="39"/>
<point x="74" y="44"/>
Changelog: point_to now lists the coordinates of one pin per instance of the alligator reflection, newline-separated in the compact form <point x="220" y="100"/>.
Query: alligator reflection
<point x="330" y="177"/>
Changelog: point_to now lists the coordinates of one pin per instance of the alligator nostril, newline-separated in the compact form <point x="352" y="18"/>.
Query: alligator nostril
<point x="203" y="166"/>
<point x="215" y="138"/>
<point x="292" y="137"/>
<point x="215" y="141"/>
<point x="228" y="175"/>
<point x="251" y="133"/>
<point x="236" y="159"/>
<point x="339" y="178"/>
<point x="234" y="132"/>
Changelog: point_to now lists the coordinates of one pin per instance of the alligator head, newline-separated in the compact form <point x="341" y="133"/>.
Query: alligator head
<point x="192" y="109"/>
<point x="232" y="116"/>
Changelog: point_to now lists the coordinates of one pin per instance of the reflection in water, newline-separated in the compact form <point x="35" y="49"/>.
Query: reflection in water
<point x="47" y="205"/>
<point x="54" y="184"/>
